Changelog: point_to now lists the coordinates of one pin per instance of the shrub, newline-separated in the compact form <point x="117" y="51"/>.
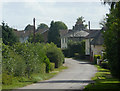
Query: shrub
<point x="54" y="54"/>
<point x="24" y="59"/>
<point x="104" y="65"/>
<point x="47" y="62"/>
<point x="52" y="66"/>
<point x="75" y="48"/>
<point x="6" y="79"/>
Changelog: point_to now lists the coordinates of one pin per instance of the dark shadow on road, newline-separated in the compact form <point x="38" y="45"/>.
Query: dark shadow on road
<point x="69" y="81"/>
<point x="86" y="63"/>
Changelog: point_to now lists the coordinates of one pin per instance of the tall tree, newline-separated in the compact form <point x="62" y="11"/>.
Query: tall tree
<point x="112" y="40"/>
<point x="80" y="24"/>
<point x="8" y="36"/>
<point x="53" y="34"/>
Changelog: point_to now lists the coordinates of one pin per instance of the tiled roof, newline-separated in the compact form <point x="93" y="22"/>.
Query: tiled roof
<point x="63" y="32"/>
<point x="92" y="33"/>
<point x="78" y="33"/>
<point x="98" y="40"/>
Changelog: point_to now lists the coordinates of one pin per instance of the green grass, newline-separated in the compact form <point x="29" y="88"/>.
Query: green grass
<point x="103" y="81"/>
<point x="18" y="82"/>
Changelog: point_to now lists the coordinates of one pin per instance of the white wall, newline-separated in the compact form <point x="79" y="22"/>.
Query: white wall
<point x="87" y="47"/>
<point x="64" y="42"/>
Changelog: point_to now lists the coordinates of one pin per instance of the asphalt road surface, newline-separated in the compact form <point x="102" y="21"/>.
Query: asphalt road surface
<point x="77" y="75"/>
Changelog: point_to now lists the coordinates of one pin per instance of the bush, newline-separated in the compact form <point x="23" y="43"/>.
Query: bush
<point x="54" y="54"/>
<point x="96" y="57"/>
<point x="47" y="62"/>
<point x="6" y="79"/>
<point x="75" y="48"/>
<point x="104" y="65"/>
<point x="52" y="66"/>
<point x="24" y="59"/>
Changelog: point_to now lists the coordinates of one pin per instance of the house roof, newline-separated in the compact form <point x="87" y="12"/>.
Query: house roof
<point x="98" y="40"/>
<point x="63" y="32"/>
<point x="81" y="33"/>
<point x="42" y="31"/>
<point x="22" y="33"/>
<point x="71" y="33"/>
<point x="92" y="33"/>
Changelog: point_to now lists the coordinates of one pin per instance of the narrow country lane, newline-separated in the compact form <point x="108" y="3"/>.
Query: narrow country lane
<point x="77" y="75"/>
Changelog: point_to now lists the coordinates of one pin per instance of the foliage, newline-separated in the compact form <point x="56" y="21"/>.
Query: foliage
<point x="27" y="57"/>
<point x="112" y="40"/>
<point x="21" y="81"/>
<point x="80" y="24"/>
<point x="8" y="35"/>
<point x="53" y="34"/>
<point x="6" y="79"/>
<point x="38" y="38"/>
<point x="42" y="26"/>
<point x="52" y="66"/>
<point x="24" y="59"/>
<point x="54" y="54"/>
<point x="47" y="62"/>
<point x="104" y="65"/>
<point x="75" y="48"/>
<point x="96" y="57"/>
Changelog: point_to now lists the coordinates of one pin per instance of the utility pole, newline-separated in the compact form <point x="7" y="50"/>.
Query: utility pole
<point x="34" y="30"/>
<point x="89" y="25"/>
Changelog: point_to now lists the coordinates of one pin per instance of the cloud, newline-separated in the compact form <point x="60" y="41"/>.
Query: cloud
<point x="20" y="14"/>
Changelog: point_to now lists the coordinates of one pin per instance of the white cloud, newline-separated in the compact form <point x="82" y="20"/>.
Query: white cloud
<point x="23" y="14"/>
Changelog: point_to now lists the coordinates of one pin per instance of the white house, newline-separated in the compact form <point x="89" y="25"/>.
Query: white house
<point x="72" y="35"/>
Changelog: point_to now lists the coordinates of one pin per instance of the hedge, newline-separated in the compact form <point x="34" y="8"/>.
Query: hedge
<point x="54" y="54"/>
<point x="24" y="59"/>
<point x="52" y="66"/>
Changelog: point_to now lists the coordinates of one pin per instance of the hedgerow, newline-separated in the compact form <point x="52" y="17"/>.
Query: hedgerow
<point x="24" y="59"/>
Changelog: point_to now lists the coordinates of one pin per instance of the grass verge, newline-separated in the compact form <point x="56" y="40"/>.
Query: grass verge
<point x="18" y="82"/>
<point x="103" y="81"/>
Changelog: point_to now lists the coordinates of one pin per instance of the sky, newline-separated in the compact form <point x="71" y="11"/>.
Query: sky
<point x="19" y="14"/>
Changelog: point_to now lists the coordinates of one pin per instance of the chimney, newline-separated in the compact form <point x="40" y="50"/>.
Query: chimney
<point x="89" y="25"/>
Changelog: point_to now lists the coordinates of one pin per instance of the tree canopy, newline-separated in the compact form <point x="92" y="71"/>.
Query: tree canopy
<point x="53" y="34"/>
<point x="112" y="39"/>
<point x="8" y="36"/>
<point x="38" y="38"/>
<point x="42" y="26"/>
<point x="80" y="24"/>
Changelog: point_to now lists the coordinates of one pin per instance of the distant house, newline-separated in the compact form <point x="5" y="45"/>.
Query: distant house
<point x="23" y="35"/>
<point x="89" y="38"/>
<point x="77" y="35"/>
<point x="64" y="39"/>
<point x="97" y="44"/>
<point x="94" y="43"/>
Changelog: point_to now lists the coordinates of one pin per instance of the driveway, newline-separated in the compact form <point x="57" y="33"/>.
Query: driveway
<point x="77" y="75"/>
